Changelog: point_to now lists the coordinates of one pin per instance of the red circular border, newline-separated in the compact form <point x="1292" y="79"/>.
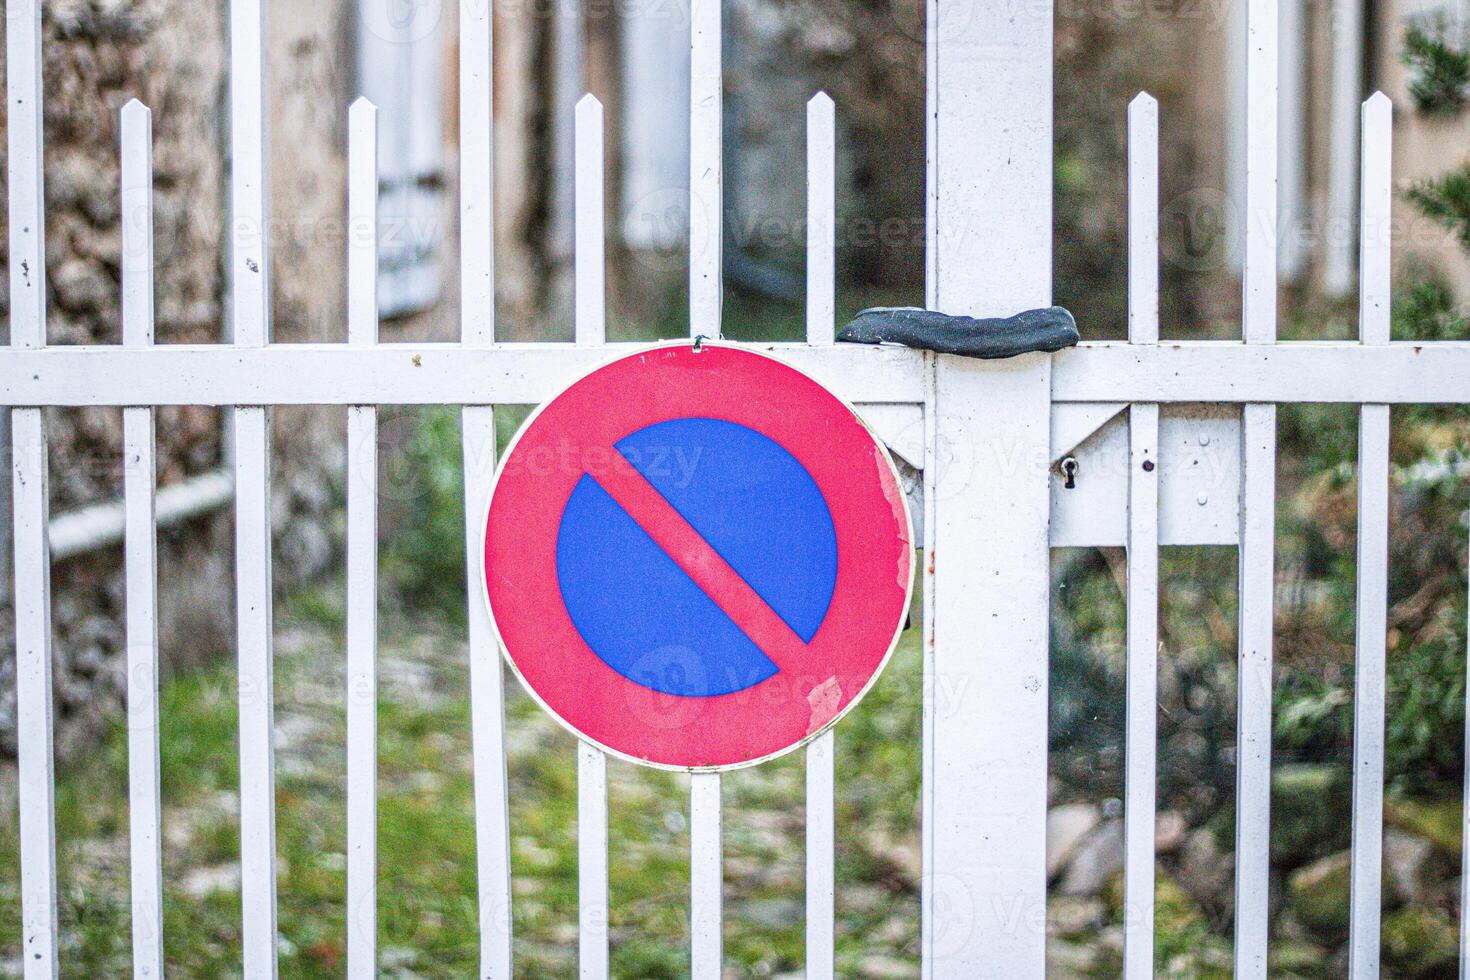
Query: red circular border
<point x="850" y="467"/>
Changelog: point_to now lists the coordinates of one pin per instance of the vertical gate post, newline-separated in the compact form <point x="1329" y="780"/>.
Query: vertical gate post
<point x="989" y="253"/>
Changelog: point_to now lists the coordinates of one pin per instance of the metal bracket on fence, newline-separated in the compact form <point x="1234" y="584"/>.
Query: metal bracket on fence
<point x="1049" y="329"/>
<point x="1199" y="475"/>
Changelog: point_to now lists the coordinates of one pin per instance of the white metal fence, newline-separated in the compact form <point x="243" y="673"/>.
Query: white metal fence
<point x="987" y="433"/>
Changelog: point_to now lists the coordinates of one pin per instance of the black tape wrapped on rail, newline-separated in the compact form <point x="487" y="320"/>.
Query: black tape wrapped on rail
<point x="1051" y="329"/>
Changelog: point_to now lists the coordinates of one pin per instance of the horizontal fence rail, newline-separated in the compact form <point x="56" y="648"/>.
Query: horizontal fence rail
<point x="1399" y="373"/>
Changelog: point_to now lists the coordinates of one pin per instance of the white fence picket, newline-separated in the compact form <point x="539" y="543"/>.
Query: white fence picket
<point x="1372" y="602"/>
<point x="821" y="839"/>
<point x="590" y="299"/>
<point x="253" y="640"/>
<point x="821" y="219"/>
<point x="477" y="326"/>
<point x="362" y="552"/>
<point x="487" y="708"/>
<point x="1143" y="549"/>
<point x="1253" y="724"/>
<point x="705" y="296"/>
<point x="589" y="205"/>
<point x="250" y="320"/>
<point x="821" y="303"/>
<point x="1142" y="689"/>
<point x="928" y="687"/>
<point x="1143" y="219"/>
<point x="706" y="224"/>
<point x="32" y="567"/>
<point x="592" y="908"/>
<point x="1262" y="76"/>
<point x="141" y="553"/>
<point x="1465" y="828"/>
<point x="476" y="174"/>
<point x="1258" y="508"/>
<point x="33" y="694"/>
<point x="706" y="878"/>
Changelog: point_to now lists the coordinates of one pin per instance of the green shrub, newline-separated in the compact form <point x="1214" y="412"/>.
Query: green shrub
<point x="423" y="482"/>
<point x="1446" y="200"/>
<point x="1425" y="309"/>
<point x="1439" y="72"/>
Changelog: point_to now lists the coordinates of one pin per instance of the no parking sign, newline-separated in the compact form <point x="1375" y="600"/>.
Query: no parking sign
<point x="697" y="558"/>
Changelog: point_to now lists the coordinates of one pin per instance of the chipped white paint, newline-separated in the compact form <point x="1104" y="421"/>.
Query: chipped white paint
<point x="989" y="205"/>
<point x="32" y="567"/>
<point x="1401" y="373"/>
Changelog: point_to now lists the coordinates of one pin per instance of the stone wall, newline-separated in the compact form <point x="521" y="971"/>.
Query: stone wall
<point x="173" y="55"/>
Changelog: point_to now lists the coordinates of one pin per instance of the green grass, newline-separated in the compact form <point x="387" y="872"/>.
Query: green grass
<point x="427" y="919"/>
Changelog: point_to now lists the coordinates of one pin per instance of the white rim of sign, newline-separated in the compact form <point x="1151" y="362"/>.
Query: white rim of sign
<point x="908" y="595"/>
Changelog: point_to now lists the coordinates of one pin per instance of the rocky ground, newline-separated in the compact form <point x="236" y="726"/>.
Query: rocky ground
<point x="427" y="924"/>
<point x="426" y="843"/>
<point x="1310" y="884"/>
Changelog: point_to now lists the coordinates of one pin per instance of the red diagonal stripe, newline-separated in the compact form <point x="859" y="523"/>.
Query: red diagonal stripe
<point x="714" y="576"/>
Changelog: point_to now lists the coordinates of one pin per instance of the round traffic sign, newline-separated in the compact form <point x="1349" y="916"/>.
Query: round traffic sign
<point x="697" y="558"/>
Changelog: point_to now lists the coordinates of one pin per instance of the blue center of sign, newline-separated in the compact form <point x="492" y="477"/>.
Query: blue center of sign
<point x="752" y="502"/>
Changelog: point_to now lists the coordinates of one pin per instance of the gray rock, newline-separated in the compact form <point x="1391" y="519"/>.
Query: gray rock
<point x="206" y="881"/>
<point x="1206" y="870"/>
<point x="1070" y="961"/>
<point x="1074" y="915"/>
<point x="1096" y="859"/>
<point x="1409" y="866"/>
<point x="80" y="287"/>
<point x="1066" y="826"/>
<point x="1170" y="831"/>
<point x="1421" y="942"/>
<point x="1308" y="801"/>
<point x="1318" y="895"/>
<point x="886" y="968"/>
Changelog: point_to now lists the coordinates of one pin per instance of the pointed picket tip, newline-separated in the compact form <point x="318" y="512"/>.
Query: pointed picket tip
<point x="589" y="107"/>
<point x="362" y="105"/>
<point x="134" y="109"/>
<point x="1378" y="102"/>
<point x="1143" y="101"/>
<point x="821" y="101"/>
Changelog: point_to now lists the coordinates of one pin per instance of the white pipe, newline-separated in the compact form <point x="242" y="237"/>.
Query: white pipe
<point x="655" y="124"/>
<point x="1295" y="215"/>
<point x="89" y="528"/>
<point x="569" y="85"/>
<point x="1342" y="175"/>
